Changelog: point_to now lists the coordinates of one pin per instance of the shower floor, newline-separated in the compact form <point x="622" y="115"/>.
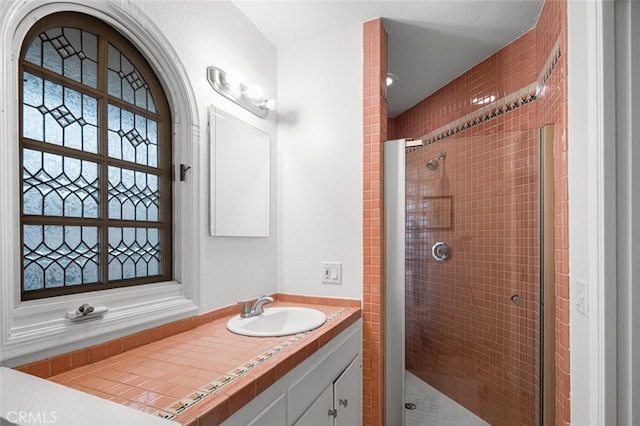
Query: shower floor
<point x="435" y="408"/>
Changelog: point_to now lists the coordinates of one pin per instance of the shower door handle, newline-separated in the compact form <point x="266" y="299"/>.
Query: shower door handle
<point x="440" y="251"/>
<point x="517" y="300"/>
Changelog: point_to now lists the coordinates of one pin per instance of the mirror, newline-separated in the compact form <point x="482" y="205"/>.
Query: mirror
<point x="239" y="177"/>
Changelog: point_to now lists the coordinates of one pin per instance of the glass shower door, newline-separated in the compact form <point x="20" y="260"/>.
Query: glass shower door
<point x="473" y="319"/>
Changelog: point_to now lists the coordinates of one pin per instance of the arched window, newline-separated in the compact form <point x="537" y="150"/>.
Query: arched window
<point x="95" y="155"/>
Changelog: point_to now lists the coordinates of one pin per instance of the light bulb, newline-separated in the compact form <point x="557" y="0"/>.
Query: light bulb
<point x="271" y="104"/>
<point x="233" y="81"/>
<point x="253" y="91"/>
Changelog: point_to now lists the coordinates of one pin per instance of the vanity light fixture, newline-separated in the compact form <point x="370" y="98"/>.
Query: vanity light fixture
<point x="248" y="97"/>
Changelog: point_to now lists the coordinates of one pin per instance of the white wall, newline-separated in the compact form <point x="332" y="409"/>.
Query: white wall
<point x="320" y="162"/>
<point x="592" y="209"/>
<point x="578" y="241"/>
<point x="627" y="39"/>
<point x="217" y="33"/>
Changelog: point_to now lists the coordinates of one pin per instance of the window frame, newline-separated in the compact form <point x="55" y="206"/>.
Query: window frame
<point x="31" y="330"/>
<point x="106" y="36"/>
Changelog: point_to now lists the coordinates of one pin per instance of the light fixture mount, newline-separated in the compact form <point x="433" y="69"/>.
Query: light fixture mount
<point x="218" y="80"/>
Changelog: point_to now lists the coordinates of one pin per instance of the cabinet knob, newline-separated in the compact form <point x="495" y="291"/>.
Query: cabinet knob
<point x="333" y="413"/>
<point x="343" y="402"/>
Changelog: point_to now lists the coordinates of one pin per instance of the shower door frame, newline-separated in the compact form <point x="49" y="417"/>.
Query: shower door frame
<point x="394" y="214"/>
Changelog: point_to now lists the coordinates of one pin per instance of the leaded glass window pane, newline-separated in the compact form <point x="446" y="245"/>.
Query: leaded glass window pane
<point x="57" y="256"/>
<point x="55" y="185"/>
<point x="126" y="82"/>
<point x="133" y="195"/>
<point x="70" y="52"/>
<point x="133" y="253"/>
<point x="132" y="137"/>
<point x="59" y="115"/>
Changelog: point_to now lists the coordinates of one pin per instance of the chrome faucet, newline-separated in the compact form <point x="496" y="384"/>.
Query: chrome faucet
<point x="256" y="309"/>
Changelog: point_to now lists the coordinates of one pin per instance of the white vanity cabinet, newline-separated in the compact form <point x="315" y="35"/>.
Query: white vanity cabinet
<point x="305" y="395"/>
<point x="340" y="404"/>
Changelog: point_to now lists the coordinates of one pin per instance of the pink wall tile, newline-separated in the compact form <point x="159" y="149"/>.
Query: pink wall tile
<point x="553" y="109"/>
<point x="375" y="133"/>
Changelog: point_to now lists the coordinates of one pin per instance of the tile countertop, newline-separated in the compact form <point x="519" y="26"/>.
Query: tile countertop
<point x="205" y="374"/>
<point x="31" y="400"/>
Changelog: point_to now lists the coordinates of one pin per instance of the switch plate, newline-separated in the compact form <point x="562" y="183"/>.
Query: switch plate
<point x="331" y="272"/>
<point x="581" y="297"/>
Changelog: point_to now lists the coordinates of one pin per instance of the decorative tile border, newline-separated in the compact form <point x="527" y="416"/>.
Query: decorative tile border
<point x="498" y="107"/>
<point x="551" y="63"/>
<point x="179" y="406"/>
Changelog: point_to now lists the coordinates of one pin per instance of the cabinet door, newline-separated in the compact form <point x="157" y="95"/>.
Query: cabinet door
<point x="273" y="415"/>
<point x="348" y="395"/>
<point x="318" y="413"/>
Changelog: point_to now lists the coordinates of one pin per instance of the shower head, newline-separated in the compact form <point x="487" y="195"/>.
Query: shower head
<point x="433" y="163"/>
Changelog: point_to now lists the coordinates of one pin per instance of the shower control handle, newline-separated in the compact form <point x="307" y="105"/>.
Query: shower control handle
<point x="440" y="251"/>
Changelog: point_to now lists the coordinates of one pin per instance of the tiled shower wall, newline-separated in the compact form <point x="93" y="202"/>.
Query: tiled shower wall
<point x="375" y="133"/>
<point x="503" y="73"/>
<point x="552" y="108"/>
<point x="464" y="334"/>
<point x="523" y="62"/>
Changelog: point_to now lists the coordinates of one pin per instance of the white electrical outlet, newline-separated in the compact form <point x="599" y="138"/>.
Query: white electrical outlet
<point x="581" y="297"/>
<point x="331" y="272"/>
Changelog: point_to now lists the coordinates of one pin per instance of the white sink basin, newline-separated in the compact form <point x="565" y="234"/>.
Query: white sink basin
<point x="278" y="322"/>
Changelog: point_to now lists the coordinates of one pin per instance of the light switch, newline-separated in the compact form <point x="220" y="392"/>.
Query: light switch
<point x="331" y="272"/>
<point x="581" y="297"/>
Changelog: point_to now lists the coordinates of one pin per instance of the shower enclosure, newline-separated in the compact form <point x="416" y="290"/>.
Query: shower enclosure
<point x="464" y="236"/>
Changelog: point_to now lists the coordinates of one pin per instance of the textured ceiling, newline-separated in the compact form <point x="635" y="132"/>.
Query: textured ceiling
<point x="431" y="42"/>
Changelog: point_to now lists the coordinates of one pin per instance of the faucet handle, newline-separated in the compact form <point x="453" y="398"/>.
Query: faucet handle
<point x="266" y="298"/>
<point x="246" y="308"/>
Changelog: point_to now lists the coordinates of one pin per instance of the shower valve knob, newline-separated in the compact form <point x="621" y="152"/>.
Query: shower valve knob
<point x="440" y="251"/>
